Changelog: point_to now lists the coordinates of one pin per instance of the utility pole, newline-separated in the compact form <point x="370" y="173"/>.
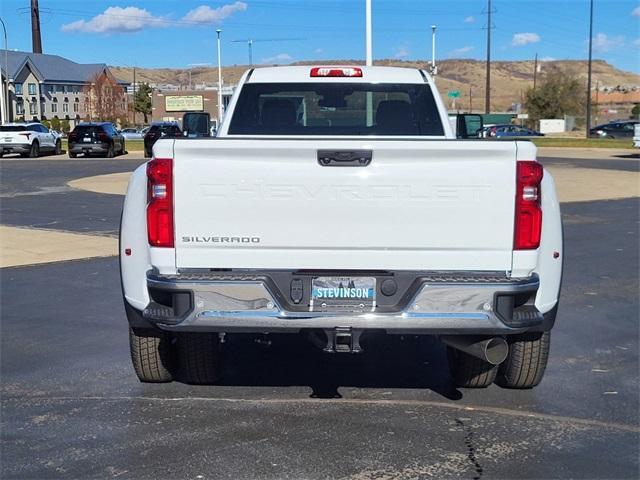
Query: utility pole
<point x="589" y="72"/>
<point x="218" y="31"/>
<point x="36" y="40"/>
<point x="487" y="101"/>
<point x="535" y="71"/>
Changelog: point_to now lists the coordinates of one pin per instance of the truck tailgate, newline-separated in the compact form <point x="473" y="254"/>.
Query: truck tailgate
<point x="419" y="204"/>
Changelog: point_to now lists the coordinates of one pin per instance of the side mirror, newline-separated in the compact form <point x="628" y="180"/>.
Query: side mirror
<point x="469" y="125"/>
<point x="196" y="124"/>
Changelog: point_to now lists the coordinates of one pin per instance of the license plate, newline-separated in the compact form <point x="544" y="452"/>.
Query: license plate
<point x="343" y="294"/>
<point x="86" y="140"/>
<point x="7" y="139"/>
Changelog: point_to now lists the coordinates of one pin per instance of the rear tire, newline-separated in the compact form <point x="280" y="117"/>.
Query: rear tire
<point x="147" y="154"/>
<point x="34" y="152"/>
<point x="73" y="155"/>
<point x="526" y="362"/>
<point x="199" y="356"/>
<point x="111" y="152"/>
<point x="58" y="149"/>
<point x="151" y="355"/>
<point x="469" y="371"/>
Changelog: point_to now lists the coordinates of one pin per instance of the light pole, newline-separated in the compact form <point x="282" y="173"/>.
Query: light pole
<point x="4" y="101"/>
<point x="218" y="31"/>
<point x="434" y="70"/>
<point x="368" y="39"/>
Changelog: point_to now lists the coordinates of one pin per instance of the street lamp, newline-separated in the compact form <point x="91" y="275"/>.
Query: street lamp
<point x="4" y="101"/>
<point x="219" y="81"/>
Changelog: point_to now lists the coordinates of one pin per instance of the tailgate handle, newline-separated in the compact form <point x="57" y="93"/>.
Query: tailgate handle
<point x="344" y="158"/>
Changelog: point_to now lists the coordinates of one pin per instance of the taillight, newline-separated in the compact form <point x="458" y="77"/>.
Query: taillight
<point x="160" y="202"/>
<point x="336" y="72"/>
<point x="103" y="137"/>
<point x="26" y="135"/>
<point x="73" y="136"/>
<point x="528" y="221"/>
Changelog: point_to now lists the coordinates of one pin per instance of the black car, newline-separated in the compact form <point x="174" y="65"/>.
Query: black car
<point x="618" y="129"/>
<point x="159" y="130"/>
<point x="96" y="138"/>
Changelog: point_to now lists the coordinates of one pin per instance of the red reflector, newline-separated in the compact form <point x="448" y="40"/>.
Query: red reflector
<point x="528" y="220"/>
<point x="160" y="202"/>
<point x="336" y="72"/>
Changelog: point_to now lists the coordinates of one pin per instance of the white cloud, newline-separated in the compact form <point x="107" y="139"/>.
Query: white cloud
<point x="134" y="19"/>
<point x="279" y="58"/>
<point x="401" y="52"/>
<point x="525" y="38"/>
<point x="206" y="14"/>
<point x="603" y="43"/>
<point x="636" y="12"/>
<point x="459" y="52"/>
<point x="547" y="59"/>
<point x="636" y="42"/>
<point x="469" y="19"/>
<point x="318" y="51"/>
<point x="116" y="19"/>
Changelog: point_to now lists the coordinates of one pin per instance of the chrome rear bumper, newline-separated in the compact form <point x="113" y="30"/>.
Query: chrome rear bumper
<point x="442" y="304"/>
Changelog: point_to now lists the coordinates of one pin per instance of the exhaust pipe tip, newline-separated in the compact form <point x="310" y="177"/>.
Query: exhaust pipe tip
<point x="492" y="350"/>
<point x="496" y="350"/>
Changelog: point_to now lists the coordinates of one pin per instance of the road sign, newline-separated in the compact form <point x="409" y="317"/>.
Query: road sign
<point x="523" y="116"/>
<point x="453" y="94"/>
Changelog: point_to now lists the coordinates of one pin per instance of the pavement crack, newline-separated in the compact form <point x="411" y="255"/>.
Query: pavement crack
<point x="471" y="450"/>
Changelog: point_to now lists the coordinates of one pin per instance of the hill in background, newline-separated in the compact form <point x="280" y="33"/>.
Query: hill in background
<point x="509" y="80"/>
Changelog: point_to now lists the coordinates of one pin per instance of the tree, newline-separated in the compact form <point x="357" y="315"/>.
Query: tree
<point x="55" y="123"/>
<point x="142" y="100"/>
<point x="558" y="94"/>
<point x="105" y="99"/>
<point x="65" y="126"/>
<point x="46" y="123"/>
<point x="635" y="111"/>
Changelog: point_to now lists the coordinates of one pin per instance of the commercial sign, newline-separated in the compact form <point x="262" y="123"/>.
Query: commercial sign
<point x="184" y="103"/>
<point x="453" y="94"/>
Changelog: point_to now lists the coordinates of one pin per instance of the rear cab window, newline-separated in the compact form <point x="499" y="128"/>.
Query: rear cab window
<point x="347" y="109"/>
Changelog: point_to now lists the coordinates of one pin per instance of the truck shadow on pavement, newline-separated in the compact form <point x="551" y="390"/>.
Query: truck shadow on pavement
<point x="388" y="361"/>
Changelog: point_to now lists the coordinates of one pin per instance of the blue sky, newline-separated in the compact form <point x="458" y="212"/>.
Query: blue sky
<point x="171" y="33"/>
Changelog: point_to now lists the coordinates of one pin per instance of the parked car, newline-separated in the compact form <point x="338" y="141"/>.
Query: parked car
<point x="132" y="134"/>
<point x="59" y="133"/>
<point x="28" y="139"/>
<point x="158" y="130"/>
<point x="96" y="138"/>
<point x="617" y="129"/>
<point x="304" y="217"/>
<point x="636" y="135"/>
<point x="509" y="130"/>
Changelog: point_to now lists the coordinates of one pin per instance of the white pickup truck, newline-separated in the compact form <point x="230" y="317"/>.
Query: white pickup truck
<point x="337" y="202"/>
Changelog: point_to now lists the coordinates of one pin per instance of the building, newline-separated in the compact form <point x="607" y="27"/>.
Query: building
<point x="170" y="105"/>
<point x="42" y="87"/>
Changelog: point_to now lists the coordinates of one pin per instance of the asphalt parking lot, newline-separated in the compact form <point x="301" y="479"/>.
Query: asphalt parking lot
<point x="73" y="408"/>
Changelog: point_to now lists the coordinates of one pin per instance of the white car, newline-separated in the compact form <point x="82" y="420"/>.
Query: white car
<point x="636" y="135"/>
<point x="337" y="202"/>
<point x="28" y="139"/>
